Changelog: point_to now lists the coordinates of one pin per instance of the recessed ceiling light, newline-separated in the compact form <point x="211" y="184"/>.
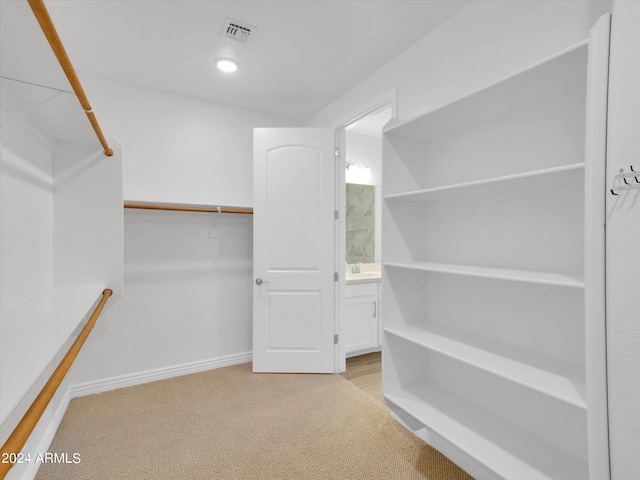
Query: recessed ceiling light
<point x="227" y="65"/>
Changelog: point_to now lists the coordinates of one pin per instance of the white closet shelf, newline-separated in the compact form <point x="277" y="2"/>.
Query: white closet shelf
<point x="503" y="447"/>
<point x="32" y="335"/>
<point x="544" y="278"/>
<point x="555" y="378"/>
<point x="501" y="99"/>
<point x="541" y="179"/>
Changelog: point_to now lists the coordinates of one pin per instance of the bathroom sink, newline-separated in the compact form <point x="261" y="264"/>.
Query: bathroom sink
<point x="366" y="272"/>
<point x="363" y="277"/>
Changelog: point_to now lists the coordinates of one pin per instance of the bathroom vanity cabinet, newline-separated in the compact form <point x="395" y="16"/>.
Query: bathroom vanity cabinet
<point x="363" y="318"/>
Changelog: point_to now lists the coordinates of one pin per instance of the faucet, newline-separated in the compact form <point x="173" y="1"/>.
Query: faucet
<point x="354" y="267"/>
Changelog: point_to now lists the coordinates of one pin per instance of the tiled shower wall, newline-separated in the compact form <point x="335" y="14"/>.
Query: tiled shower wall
<point x="360" y="203"/>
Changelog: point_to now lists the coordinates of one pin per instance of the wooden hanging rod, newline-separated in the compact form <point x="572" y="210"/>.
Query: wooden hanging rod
<point x="187" y="209"/>
<point x="20" y="434"/>
<point x="49" y="30"/>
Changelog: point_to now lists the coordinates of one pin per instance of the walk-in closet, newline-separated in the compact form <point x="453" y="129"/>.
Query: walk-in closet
<point x="324" y="239"/>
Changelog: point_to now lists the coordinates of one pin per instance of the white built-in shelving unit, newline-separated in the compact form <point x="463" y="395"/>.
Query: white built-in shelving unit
<point x="493" y="257"/>
<point x="61" y="216"/>
<point x="61" y="242"/>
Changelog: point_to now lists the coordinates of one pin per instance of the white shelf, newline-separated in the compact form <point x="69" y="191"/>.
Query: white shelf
<point x="502" y="98"/>
<point x="560" y="380"/>
<point x="543" y="180"/>
<point x="544" y="278"/>
<point x="32" y="335"/>
<point x="504" y="448"/>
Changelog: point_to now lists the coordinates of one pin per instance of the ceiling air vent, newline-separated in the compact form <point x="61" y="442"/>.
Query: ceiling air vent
<point x="238" y="31"/>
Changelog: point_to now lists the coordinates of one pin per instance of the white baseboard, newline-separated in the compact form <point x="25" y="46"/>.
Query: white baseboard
<point x="132" y="379"/>
<point x="35" y="444"/>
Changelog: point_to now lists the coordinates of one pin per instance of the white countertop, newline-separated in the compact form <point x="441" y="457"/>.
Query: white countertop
<point x="369" y="273"/>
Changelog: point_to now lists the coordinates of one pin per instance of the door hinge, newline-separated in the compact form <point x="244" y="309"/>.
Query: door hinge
<point x="335" y="339"/>
<point x="336" y="277"/>
<point x="336" y="152"/>
<point x="336" y="214"/>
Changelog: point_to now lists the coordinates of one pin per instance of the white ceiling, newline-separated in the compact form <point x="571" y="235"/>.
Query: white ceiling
<point x="303" y="55"/>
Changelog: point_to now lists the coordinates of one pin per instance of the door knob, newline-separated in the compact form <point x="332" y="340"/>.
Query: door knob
<point x="259" y="281"/>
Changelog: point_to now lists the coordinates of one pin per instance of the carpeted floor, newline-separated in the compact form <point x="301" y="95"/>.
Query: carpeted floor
<point x="232" y="424"/>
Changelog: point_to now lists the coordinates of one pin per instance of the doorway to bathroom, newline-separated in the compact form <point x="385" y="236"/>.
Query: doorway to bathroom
<point x="362" y="239"/>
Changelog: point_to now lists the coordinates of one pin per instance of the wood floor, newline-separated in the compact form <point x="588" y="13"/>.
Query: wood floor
<point x="365" y="372"/>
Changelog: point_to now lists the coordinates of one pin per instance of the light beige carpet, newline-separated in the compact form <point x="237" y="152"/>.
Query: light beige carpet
<point x="232" y="424"/>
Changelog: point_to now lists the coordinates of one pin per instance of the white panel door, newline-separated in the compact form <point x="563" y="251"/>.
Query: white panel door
<point x="293" y="250"/>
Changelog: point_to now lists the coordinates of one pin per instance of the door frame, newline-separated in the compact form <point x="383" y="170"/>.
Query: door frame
<point x="389" y="98"/>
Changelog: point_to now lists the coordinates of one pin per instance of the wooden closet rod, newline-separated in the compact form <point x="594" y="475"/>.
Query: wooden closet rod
<point x="20" y="434"/>
<point x="49" y="30"/>
<point x="187" y="209"/>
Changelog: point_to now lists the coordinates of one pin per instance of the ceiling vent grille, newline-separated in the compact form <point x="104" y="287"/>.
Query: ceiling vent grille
<point x="236" y="30"/>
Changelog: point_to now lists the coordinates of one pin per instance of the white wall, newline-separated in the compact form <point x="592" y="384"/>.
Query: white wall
<point x="481" y="44"/>
<point x="623" y="243"/>
<point x="26" y="234"/>
<point x="367" y="149"/>
<point x="87" y="212"/>
<point x="26" y="214"/>
<point x="179" y="149"/>
<point x="187" y="296"/>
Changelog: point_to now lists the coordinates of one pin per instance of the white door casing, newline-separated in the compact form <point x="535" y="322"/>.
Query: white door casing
<point x="294" y="250"/>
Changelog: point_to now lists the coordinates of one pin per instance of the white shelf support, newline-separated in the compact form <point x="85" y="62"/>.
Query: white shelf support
<point x="595" y="219"/>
